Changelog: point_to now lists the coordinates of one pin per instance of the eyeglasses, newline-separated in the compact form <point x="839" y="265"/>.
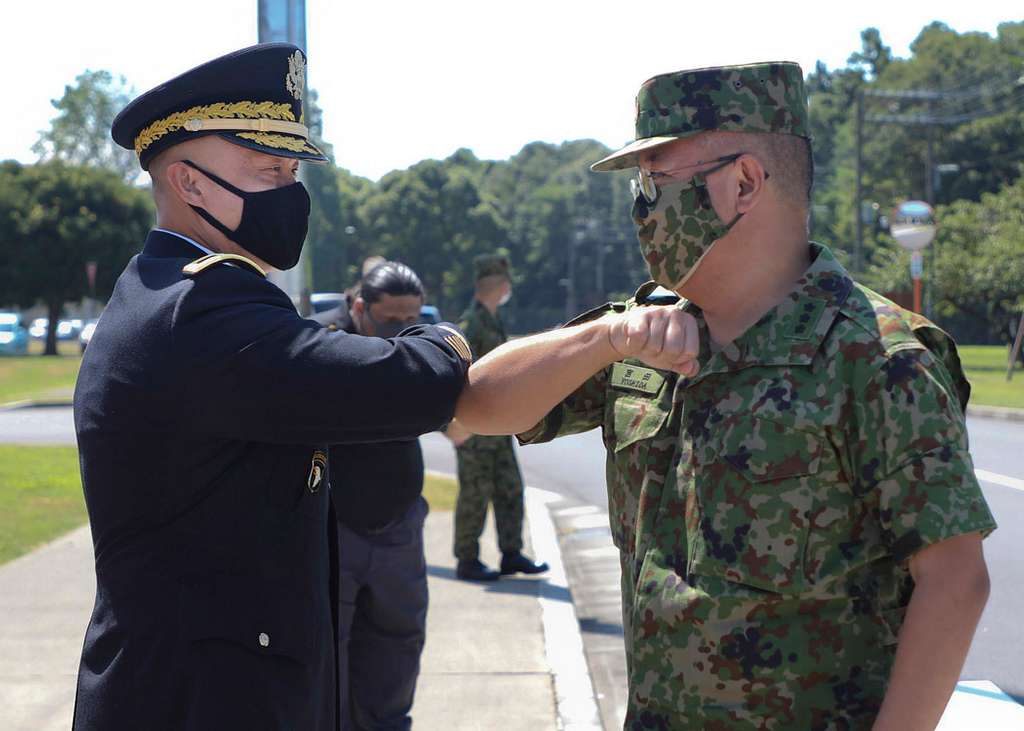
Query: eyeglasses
<point x="645" y="184"/>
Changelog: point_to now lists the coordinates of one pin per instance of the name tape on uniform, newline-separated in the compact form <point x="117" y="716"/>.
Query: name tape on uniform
<point x="636" y="378"/>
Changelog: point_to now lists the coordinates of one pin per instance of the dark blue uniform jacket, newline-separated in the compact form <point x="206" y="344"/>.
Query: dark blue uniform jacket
<point x="203" y="409"/>
<point x="373" y="485"/>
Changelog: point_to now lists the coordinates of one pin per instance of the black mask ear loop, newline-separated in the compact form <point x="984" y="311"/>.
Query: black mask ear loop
<point x="205" y="214"/>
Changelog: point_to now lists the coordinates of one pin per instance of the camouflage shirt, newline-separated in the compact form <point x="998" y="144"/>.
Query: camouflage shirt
<point x="777" y="496"/>
<point x="484" y="332"/>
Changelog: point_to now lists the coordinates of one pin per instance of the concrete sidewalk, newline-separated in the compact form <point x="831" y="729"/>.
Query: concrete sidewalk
<point x="485" y="665"/>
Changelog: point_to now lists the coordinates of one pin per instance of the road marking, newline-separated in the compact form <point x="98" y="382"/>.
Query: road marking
<point x="581" y="510"/>
<point x="998" y="479"/>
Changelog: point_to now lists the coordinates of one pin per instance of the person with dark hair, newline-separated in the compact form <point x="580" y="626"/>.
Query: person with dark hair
<point x="488" y="471"/>
<point x="798" y="517"/>
<point x="382" y="573"/>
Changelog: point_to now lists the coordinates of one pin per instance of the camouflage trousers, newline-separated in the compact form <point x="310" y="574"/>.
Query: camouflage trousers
<point x="488" y="473"/>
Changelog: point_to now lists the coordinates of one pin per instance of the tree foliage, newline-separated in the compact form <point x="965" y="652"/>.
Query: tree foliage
<point x="54" y="218"/>
<point x="80" y="133"/>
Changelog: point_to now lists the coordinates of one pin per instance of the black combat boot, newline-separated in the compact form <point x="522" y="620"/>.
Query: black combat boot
<point x="512" y="563"/>
<point x="476" y="570"/>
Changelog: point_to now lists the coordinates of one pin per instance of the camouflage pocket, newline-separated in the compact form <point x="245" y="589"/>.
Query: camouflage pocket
<point x="641" y="448"/>
<point x="754" y="502"/>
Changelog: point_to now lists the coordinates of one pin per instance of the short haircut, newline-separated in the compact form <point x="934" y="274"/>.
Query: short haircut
<point x="787" y="158"/>
<point x="491" y="282"/>
<point x="391" y="278"/>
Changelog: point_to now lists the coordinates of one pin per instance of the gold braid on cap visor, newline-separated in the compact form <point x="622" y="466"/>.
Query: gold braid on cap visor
<point x="261" y="117"/>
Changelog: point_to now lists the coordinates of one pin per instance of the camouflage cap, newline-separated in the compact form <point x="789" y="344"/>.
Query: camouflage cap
<point x="487" y="265"/>
<point x="760" y="97"/>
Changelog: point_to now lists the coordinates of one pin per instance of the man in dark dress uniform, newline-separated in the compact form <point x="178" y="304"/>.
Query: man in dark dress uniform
<point x="204" y="408"/>
<point x="377" y="490"/>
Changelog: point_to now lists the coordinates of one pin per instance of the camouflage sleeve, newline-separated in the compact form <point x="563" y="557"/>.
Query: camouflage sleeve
<point x="581" y="411"/>
<point x="911" y="452"/>
<point x="470" y="327"/>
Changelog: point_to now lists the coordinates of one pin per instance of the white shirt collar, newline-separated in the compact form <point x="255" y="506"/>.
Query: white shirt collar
<point x="185" y="238"/>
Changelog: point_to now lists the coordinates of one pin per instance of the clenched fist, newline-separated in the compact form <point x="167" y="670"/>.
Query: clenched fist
<point x="662" y="337"/>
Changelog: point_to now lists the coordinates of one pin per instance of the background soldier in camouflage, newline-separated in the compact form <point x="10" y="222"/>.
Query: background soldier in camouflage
<point x="487" y="466"/>
<point x="806" y="543"/>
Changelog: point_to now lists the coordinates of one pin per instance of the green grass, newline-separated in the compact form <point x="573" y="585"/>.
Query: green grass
<point x="985" y="366"/>
<point x="36" y="377"/>
<point x="40" y="497"/>
<point x="440" y="491"/>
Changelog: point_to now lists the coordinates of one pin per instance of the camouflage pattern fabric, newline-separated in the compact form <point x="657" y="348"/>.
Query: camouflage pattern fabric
<point x="488" y="476"/>
<point x="488" y="265"/>
<point x="487" y="467"/>
<point x="811" y="458"/>
<point x="762" y="97"/>
<point x="678" y="229"/>
<point x="639" y="430"/>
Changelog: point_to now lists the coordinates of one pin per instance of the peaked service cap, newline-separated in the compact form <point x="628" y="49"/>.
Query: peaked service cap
<point x="252" y="97"/>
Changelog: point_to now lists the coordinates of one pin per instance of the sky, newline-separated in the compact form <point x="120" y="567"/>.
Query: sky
<point x="401" y="81"/>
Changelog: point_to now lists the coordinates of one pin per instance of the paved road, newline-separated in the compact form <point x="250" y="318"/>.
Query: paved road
<point x="574" y="467"/>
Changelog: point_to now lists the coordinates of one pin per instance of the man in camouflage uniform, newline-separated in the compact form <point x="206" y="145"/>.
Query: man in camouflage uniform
<point x="800" y="523"/>
<point x="487" y="467"/>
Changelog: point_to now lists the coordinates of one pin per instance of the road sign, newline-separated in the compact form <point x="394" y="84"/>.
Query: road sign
<point x="913" y="225"/>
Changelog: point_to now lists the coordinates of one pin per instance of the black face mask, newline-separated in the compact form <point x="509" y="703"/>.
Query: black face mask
<point x="274" y="222"/>
<point x="386" y="328"/>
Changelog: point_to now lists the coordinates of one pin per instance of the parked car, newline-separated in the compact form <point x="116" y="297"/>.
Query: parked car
<point x="39" y="327"/>
<point x="13" y="334"/>
<point x="69" y="329"/>
<point x="323" y="301"/>
<point x="430" y="315"/>
<point x="86" y="336"/>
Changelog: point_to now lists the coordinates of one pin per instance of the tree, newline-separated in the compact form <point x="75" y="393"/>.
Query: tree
<point x="980" y="265"/>
<point x="80" y="133"/>
<point x="874" y="55"/>
<point x="54" y="218"/>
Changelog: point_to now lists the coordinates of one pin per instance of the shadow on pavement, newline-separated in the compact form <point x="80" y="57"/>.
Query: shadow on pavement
<point x="508" y="585"/>
<point x="599" y="627"/>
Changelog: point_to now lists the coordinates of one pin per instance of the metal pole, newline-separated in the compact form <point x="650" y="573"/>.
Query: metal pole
<point x="1015" y="350"/>
<point x="570" y="280"/>
<point x="929" y="193"/>
<point x="858" y="251"/>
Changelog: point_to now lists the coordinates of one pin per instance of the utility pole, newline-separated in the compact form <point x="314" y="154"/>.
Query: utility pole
<point x="284" y="21"/>
<point x="929" y="196"/>
<point x="858" y="251"/>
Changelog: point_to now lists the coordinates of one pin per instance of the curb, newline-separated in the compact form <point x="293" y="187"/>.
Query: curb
<point x="575" y="700"/>
<point x="35" y="404"/>
<point x="996" y="412"/>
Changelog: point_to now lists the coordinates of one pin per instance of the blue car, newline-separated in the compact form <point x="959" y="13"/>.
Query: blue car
<point x="13" y="334"/>
<point x="430" y="315"/>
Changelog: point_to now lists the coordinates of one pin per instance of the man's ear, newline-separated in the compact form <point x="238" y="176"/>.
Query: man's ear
<point x="750" y="179"/>
<point x="185" y="182"/>
<point x="359" y="306"/>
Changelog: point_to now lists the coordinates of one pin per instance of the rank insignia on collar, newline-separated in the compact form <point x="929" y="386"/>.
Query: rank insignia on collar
<point x="317" y="470"/>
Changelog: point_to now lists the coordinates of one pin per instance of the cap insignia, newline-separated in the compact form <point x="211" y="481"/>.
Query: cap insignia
<point x="295" y="81"/>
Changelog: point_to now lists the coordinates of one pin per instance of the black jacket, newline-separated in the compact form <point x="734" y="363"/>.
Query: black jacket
<point x="202" y="409"/>
<point x="372" y="485"/>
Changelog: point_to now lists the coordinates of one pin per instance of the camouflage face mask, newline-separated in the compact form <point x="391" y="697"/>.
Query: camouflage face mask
<point x="679" y="228"/>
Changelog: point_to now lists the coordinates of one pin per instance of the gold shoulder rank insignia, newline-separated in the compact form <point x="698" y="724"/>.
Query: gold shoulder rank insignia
<point x="205" y="262"/>
<point x="458" y="343"/>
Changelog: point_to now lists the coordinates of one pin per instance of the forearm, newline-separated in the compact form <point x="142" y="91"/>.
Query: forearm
<point x="515" y="385"/>
<point x="933" y="644"/>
